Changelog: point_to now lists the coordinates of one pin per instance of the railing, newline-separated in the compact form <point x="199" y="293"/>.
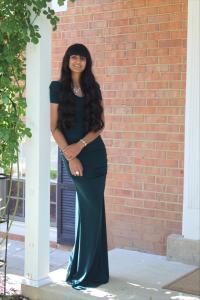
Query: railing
<point x="4" y="218"/>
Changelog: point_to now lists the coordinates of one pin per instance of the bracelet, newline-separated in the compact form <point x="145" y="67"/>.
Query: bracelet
<point x="83" y="142"/>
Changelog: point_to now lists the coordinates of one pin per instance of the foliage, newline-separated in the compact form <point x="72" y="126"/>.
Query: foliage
<point x="53" y="174"/>
<point x="17" y="28"/>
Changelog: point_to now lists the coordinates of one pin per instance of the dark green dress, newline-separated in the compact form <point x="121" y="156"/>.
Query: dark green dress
<point x="88" y="263"/>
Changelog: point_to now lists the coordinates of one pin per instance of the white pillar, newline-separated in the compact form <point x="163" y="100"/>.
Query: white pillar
<point x="37" y="212"/>
<point x="191" y="202"/>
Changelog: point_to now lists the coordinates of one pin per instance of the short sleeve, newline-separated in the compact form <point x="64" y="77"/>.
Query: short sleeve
<point x="54" y="90"/>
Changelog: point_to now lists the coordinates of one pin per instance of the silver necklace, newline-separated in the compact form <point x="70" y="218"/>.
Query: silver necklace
<point x="77" y="91"/>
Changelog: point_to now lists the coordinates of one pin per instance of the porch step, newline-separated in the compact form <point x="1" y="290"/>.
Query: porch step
<point x="59" y="291"/>
<point x="133" y="275"/>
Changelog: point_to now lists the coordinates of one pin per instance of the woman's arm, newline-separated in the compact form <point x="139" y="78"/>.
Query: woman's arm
<point x="58" y="136"/>
<point x="74" y="164"/>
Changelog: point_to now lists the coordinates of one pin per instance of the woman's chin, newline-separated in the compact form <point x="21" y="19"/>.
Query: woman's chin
<point x="76" y="70"/>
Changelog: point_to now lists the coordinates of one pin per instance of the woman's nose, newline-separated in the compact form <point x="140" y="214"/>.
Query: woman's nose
<point x="78" y="59"/>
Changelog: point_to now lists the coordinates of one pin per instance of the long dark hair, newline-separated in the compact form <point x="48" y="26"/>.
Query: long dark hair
<point x="91" y="90"/>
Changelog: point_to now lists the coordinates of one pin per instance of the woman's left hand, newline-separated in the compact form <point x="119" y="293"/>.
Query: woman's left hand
<point x="73" y="150"/>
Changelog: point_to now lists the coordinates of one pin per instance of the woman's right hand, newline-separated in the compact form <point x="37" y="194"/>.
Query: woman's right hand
<point x="76" y="167"/>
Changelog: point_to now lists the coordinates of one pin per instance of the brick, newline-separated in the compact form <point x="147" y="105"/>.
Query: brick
<point x="125" y="29"/>
<point x="146" y="28"/>
<point x="170" y="43"/>
<point x="169" y="110"/>
<point x="178" y="51"/>
<point x="169" y="9"/>
<point x="155" y="119"/>
<point x="174" y="206"/>
<point x="170" y="26"/>
<point x="148" y="11"/>
<point x="179" y="35"/>
<point x="134" y="203"/>
<point x="157" y="19"/>
<point x="144" y="212"/>
<point x="147" y="44"/>
<point x="147" y="60"/>
<point x="144" y="144"/>
<point x="175" y="172"/>
<point x="167" y="180"/>
<point x="158" y="52"/>
<point x="170" y="76"/>
<point x="166" y="197"/>
<point x="156" y="3"/>
<point x="154" y="188"/>
<point x="101" y="16"/>
<point x="176" y="119"/>
<point x="157" y="68"/>
<point x="163" y="35"/>
<point x="173" y="226"/>
<point x="170" y="60"/>
<point x="118" y="22"/>
<point x="134" y="4"/>
<point x="144" y="195"/>
<point x="157" y="85"/>
<point x="157" y="102"/>
<point x="166" y="146"/>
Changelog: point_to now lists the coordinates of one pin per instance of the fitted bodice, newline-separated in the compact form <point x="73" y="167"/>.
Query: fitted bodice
<point x="77" y="132"/>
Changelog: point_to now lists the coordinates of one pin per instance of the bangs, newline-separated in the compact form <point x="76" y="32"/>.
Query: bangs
<point x="78" y="49"/>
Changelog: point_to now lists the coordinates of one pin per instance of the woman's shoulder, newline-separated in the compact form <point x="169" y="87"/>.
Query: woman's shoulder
<point x="55" y="84"/>
<point x="54" y="87"/>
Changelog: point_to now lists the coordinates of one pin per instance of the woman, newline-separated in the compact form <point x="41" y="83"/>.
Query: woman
<point x="77" y="121"/>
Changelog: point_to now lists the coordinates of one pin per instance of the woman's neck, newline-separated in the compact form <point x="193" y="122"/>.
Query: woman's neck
<point x="76" y="79"/>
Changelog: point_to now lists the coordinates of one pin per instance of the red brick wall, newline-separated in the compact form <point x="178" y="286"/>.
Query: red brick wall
<point x="139" y="51"/>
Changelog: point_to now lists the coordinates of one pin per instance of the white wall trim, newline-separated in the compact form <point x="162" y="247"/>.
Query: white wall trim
<point x="191" y="202"/>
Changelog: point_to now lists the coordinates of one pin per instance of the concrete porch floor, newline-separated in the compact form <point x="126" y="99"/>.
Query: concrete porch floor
<point x="133" y="275"/>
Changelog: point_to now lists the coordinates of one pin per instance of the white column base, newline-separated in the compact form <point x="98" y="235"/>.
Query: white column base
<point x="183" y="250"/>
<point x="36" y="283"/>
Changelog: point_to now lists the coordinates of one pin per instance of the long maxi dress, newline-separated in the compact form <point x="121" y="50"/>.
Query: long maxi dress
<point x="88" y="263"/>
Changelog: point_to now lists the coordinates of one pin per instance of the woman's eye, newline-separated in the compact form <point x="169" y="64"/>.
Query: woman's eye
<point x="77" y="57"/>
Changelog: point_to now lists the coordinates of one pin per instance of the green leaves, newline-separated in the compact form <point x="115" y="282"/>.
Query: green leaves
<point x="61" y="2"/>
<point x="18" y="27"/>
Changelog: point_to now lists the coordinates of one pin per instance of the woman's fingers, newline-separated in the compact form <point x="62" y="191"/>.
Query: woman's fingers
<point x="78" y="172"/>
<point x="81" y="172"/>
<point x="76" y="167"/>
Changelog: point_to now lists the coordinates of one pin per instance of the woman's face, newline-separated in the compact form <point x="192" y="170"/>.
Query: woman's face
<point x="77" y="63"/>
